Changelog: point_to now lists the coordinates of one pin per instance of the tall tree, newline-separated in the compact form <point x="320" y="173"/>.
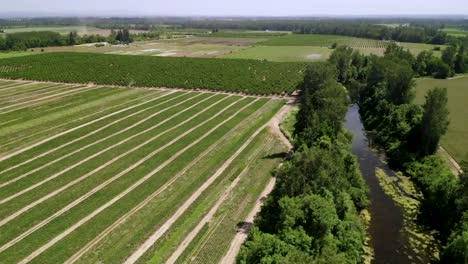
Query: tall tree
<point x="435" y="120"/>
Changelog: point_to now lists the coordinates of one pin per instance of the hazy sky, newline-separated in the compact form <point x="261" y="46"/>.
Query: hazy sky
<point x="237" y="7"/>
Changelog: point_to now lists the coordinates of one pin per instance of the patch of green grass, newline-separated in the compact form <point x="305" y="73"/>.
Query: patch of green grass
<point x="456" y="32"/>
<point x="11" y="54"/>
<point x="287" y="126"/>
<point x="281" y="53"/>
<point x="455" y="140"/>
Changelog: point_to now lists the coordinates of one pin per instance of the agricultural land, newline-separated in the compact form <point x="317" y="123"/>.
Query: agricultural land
<point x="105" y="174"/>
<point x="455" y="141"/>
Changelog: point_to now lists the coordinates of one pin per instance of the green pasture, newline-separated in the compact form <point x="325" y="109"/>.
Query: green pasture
<point x="456" y="139"/>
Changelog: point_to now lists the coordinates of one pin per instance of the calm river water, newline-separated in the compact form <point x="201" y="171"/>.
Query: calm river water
<point x="389" y="244"/>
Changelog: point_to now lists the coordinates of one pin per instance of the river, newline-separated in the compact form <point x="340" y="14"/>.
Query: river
<point x="387" y="239"/>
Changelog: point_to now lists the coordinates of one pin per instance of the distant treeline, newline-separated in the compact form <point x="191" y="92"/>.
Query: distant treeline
<point x="39" y="39"/>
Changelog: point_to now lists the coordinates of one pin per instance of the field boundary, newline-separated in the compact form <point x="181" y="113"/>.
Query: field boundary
<point x="162" y="88"/>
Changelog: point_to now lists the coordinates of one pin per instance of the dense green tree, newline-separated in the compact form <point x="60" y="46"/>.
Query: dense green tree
<point x="435" y="120"/>
<point x="398" y="54"/>
<point x="460" y="61"/>
<point x="448" y="56"/>
<point x="439" y="69"/>
<point x="323" y="105"/>
<point x="72" y="38"/>
<point x="439" y="187"/>
<point x="399" y="82"/>
<point x="423" y="62"/>
<point x="342" y="58"/>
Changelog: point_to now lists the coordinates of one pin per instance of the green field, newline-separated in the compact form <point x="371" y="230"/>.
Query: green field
<point x="282" y="53"/>
<point x="81" y="166"/>
<point x="457" y="32"/>
<point x="247" y="76"/>
<point x="5" y="55"/>
<point x="456" y="139"/>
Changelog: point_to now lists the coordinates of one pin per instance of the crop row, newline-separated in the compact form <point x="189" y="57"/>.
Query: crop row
<point x="173" y="107"/>
<point x="247" y="76"/>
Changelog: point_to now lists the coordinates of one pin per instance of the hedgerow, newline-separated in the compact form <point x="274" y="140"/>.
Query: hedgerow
<point x="247" y="76"/>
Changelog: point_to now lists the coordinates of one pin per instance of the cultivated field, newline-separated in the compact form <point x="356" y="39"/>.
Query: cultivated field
<point x="93" y="174"/>
<point x="456" y="140"/>
<point x="246" y="76"/>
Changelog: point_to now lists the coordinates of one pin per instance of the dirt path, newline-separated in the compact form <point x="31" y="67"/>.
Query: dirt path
<point x="210" y="215"/>
<point x="21" y="138"/>
<point x="101" y="140"/>
<point x="241" y="236"/>
<point x="181" y="210"/>
<point x="455" y="167"/>
<point x="108" y="163"/>
<point x="138" y="183"/>
<point x="2" y="158"/>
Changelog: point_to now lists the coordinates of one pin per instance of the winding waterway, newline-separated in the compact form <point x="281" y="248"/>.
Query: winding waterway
<point x="387" y="239"/>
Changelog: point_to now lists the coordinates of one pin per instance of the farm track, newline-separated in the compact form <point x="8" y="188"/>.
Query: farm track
<point x="61" y="189"/>
<point x="140" y="181"/>
<point x="210" y="215"/>
<point x="15" y="141"/>
<point x="95" y="142"/>
<point x="76" y="128"/>
<point x="181" y="210"/>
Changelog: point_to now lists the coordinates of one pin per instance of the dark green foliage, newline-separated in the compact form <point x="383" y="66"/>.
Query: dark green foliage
<point x="439" y="187"/>
<point x="248" y="76"/>
<point x="460" y="61"/>
<point x="449" y="55"/>
<point x="314" y="170"/>
<point x="456" y="251"/>
<point x="398" y="54"/>
<point x="312" y="214"/>
<point x="26" y="40"/>
<point x="323" y="105"/>
<point x="435" y="120"/>
<point x="439" y="69"/>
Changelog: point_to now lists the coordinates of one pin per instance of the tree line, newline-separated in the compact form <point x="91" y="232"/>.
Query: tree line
<point x="313" y="213"/>
<point x="410" y="134"/>
<point x="38" y="39"/>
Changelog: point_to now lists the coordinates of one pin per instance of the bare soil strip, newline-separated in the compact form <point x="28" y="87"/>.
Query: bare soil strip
<point x="139" y="182"/>
<point x="97" y="142"/>
<point x="61" y="189"/>
<point x="209" y="216"/>
<point x="78" y="127"/>
<point x="45" y="99"/>
<point x="75" y="120"/>
<point x="181" y="210"/>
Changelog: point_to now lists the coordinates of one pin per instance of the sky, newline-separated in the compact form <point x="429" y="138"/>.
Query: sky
<point x="235" y="7"/>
